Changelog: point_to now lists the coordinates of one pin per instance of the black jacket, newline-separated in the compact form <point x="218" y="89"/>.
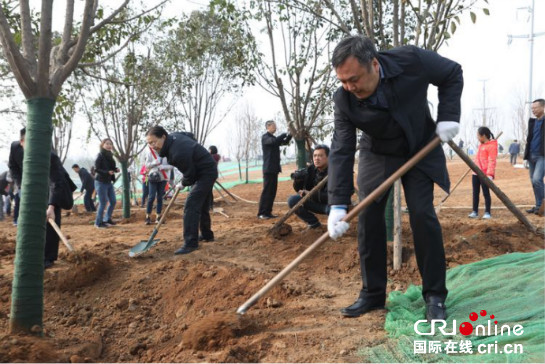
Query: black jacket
<point x="408" y="71"/>
<point x="103" y="164"/>
<point x="60" y="185"/>
<point x="15" y="163"/>
<point x="191" y="158"/>
<point x="531" y="123"/>
<point x="271" y="151"/>
<point x="3" y="183"/>
<point x="312" y="178"/>
<point x="87" y="181"/>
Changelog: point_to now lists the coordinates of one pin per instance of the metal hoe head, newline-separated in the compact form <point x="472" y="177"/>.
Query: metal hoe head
<point x="142" y="247"/>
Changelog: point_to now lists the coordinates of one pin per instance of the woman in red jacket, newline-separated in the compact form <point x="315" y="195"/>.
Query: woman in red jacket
<point x="486" y="160"/>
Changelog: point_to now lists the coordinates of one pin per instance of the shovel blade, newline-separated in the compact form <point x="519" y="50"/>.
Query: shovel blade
<point x="142" y="247"/>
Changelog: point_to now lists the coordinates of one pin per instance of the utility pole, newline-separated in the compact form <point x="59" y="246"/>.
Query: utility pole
<point x="530" y="38"/>
<point x="484" y="108"/>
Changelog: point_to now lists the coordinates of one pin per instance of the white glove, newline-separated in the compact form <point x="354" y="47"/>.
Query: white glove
<point x="180" y="186"/>
<point x="335" y="226"/>
<point x="447" y="130"/>
<point x="161" y="167"/>
<point x="490" y="177"/>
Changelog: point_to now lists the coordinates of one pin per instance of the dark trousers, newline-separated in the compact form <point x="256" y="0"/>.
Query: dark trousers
<point x="197" y="211"/>
<point x="156" y="189"/>
<point x="51" y="251"/>
<point x="145" y="192"/>
<point x="477" y="184"/>
<point x="427" y="235"/>
<point x="514" y="158"/>
<point x="270" y="185"/>
<point x="88" y="200"/>
<point x="17" y="200"/>
<point x="305" y="212"/>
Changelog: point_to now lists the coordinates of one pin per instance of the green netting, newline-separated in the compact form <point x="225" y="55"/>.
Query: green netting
<point x="510" y="287"/>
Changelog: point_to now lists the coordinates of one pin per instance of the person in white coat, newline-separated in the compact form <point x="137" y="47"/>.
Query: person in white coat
<point x="158" y="171"/>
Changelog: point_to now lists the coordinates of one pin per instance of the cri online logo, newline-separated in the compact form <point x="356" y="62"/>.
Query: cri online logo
<point x="466" y="328"/>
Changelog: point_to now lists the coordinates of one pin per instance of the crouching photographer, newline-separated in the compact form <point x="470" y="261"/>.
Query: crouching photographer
<point x="304" y="180"/>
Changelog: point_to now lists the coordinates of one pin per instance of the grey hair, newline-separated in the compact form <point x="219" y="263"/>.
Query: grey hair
<point x="269" y="122"/>
<point x="355" y="45"/>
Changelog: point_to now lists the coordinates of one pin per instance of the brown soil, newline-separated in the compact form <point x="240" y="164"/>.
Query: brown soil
<point x="103" y="306"/>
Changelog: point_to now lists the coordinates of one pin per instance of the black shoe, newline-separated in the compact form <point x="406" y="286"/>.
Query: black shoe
<point x="361" y="306"/>
<point x="435" y="308"/>
<point x="315" y="226"/>
<point x="101" y="226"/>
<point x="110" y="222"/>
<point x="48" y="264"/>
<point x="267" y="217"/>
<point x="148" y="220"/>
<point x="533" y="210"/>
<point x="186" y="249"/>
<point x="208" y="240"/>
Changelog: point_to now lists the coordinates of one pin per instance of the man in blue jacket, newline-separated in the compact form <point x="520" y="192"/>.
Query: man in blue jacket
<point x="384" y="94"/>
<point x="534" y="153"/>
<point x="514" y="150"/>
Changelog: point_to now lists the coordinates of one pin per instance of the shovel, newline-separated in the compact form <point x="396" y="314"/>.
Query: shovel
<point x="61" y="235"/>
<point x="352" y="214"/>
<point x="146" y="245"/>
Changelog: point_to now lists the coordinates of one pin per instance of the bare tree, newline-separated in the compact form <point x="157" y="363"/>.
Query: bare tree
<point x="126" y="95"/>
<point x="210" y="57"/>
<point x="248" y="139"/>
<point x="424" y="23"/>
<point x="298" y="71"/>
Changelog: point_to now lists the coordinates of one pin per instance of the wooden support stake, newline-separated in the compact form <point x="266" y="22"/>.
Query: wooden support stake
<point x="487" y="181"/>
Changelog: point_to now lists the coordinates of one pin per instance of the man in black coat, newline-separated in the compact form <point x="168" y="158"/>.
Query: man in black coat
<point x="87" y="184"/>
<point x="200" y="171"/>
<point x="4" y="186"/>
<point x="60" y="196"/>
<point x="15" y="164"/>
<point x="385" y="95"/>
<point x="271" y="168"/>
<point x="304" y="181"/>
<point x="534" y="152"/>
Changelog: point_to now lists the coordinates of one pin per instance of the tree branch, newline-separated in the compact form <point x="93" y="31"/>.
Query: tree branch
<point x="16" y="61"/>
<point x="44" y="50"/>
<point x="29" y="51"/>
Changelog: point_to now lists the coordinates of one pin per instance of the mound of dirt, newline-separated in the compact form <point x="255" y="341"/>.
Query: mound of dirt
<point x="85" y="269"/>
<point x="28" y="349"/>
<point x="213" y="331"/>
<point x="281" y="231"/>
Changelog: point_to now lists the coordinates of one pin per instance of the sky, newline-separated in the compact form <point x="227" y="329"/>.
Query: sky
<point x="482" y="49"/>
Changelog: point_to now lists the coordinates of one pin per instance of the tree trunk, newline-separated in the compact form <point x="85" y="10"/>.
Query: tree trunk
<point x="27" y="285"/>
<point x="126" y="190"/>
<point x="301" y="153"/>
<point x="239" y="170"/>
<point x="247" y="166"/>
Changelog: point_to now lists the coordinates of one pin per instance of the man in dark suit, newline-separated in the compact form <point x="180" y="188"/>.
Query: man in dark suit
<point x="384" y="94"/>
<point x="535" y="152"/>
<point x="87" y="184"/>
<point x="271" y="168"/>
<point x="15" y="165"/>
